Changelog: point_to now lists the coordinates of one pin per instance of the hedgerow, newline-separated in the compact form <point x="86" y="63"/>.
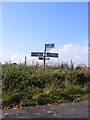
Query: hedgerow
<point x="29" y="86"/>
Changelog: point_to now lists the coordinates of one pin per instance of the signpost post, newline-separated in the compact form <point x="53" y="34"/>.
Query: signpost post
<point x="43" y="55"/>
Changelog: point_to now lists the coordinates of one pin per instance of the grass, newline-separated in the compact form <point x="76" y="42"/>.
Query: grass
<point x="29" y="86"/>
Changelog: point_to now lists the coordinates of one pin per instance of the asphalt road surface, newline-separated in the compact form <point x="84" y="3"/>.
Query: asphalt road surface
<point x="68" y="110"/>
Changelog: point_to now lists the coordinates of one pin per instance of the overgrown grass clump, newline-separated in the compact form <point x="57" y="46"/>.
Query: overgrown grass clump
<point x="29" y="86"/>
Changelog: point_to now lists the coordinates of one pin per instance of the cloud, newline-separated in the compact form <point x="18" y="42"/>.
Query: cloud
<point x="75" y="52"/>
<point x="17" y="58"/>
<point x="20" y="58"/>
<point x="67" y="52"/>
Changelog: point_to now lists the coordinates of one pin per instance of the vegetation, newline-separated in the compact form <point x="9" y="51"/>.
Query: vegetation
<point x="28" y="86"/>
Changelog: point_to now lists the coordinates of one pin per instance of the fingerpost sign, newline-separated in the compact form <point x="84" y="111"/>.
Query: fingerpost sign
<point x="43" y="55"/>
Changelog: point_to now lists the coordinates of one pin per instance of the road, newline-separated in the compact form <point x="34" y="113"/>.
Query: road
<point x="66" y="110"/>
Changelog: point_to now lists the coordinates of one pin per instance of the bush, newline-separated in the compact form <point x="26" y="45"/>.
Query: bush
<point x="29" y="86"/>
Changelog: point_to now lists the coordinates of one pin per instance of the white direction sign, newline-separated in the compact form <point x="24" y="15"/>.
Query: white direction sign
<point x="52" y="55"/>
<point x="49" y="46"/>
<point x="37" y="54"/>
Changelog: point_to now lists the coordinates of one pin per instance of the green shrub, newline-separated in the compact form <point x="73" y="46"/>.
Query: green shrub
<point x="29" y="86"/>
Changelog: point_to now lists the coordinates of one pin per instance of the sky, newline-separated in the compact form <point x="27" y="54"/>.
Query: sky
<point x="26" y="27"/>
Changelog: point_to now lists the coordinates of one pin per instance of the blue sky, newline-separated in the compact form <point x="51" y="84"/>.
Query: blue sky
<point x="27" y="27"/>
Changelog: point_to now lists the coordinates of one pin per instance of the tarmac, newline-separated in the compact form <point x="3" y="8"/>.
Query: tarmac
<point x="66" y="110"/>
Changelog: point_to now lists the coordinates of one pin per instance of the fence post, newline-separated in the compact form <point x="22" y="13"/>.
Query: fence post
<point x="25" y="61"/>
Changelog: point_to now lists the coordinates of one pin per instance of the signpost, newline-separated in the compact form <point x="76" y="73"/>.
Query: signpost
<point x="43" y="55"/>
